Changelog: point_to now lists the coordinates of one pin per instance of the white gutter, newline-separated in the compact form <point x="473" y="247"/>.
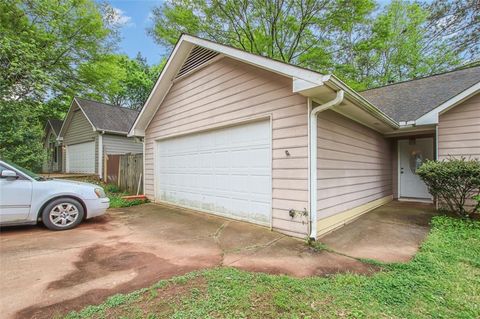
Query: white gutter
<point x="313" y="159"/>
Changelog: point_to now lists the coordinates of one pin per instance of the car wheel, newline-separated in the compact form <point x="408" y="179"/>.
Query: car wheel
<point x="62" y="214"/>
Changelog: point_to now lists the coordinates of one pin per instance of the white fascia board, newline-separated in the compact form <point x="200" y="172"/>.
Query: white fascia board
<point x="333" y="81"/>
<point x="258" y="60"/>
<point x="66" y="119"/>
<point x="161" y="88"/>
<point x="300" y="85"/>
<point x="432" y="116"/>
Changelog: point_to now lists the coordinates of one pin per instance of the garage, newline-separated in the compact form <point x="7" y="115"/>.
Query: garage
<point x="81" y="158"/>
<point x="225" y="171"/>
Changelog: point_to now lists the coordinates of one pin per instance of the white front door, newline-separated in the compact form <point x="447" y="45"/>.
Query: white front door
<point x="81" y="158"/>
<point x="225" y="171"/>
<point x="412" y="153"/>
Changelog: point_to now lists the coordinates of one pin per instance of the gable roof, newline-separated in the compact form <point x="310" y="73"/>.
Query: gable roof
<point x="107" y="117"/>
<point x="56" y="125"/>
<point x="409" y="100"/>
<point x="306" y="82"/>
<point x="101" y="116"/>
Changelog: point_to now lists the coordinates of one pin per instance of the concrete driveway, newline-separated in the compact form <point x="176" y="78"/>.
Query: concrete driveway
<point x="46" y="273"/>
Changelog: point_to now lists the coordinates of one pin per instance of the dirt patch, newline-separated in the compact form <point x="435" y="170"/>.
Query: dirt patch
<point x="99" y="261"/>
<point x="100" y="223"/>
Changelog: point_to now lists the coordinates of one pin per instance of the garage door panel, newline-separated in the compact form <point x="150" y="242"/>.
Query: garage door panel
<point x="81" y="158"/>
<point x="226" y="171"/>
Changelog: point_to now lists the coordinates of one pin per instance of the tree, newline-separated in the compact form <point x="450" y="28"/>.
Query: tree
<point x="456" y="25"/>
<point x="21" y="134"/>
<point x="42" y="45"/>
<point x="280" y="29"/>
<point x="42" y="42"/>
<point x="119" y="80"/>
<point x="365" y="44"/>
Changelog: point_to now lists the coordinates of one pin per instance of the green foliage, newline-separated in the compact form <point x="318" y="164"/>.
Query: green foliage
<point x="51" y="50"/>
<point x="453" y="182"/>
<point x="364" y="43"/>
<point x="116" y="201"/>
<point x="41" y="43"/>
<point x="440" y="282"/>
<point x="111" y="188"/>
<point x="21" y="134"/>
<point x="119" y="80"/>
<point x="476" y="198"/>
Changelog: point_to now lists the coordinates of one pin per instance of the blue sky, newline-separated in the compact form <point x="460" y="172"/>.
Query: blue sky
<point x="134" y="16"/>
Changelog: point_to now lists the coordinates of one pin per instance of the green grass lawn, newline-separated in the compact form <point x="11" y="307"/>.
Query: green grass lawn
<point x="442" y="281"/>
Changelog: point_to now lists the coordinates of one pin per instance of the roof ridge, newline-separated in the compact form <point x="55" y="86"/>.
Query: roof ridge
<point x="460" y="68"/>
<point x="105" y="104"/>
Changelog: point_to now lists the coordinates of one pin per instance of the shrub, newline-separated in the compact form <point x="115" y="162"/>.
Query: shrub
<point x="453" y="182"/>
<point x="112" y="188"/>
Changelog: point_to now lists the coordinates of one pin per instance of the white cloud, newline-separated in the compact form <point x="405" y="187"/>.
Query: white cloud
<point x="118" y="17"/>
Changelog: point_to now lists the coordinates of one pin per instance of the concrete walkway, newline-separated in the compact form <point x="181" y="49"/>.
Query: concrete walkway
<point x="45" y="273"/>
<point x="390" y="233"/>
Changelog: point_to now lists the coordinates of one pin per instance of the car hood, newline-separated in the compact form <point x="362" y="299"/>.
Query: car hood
<point x="70" y="183"/>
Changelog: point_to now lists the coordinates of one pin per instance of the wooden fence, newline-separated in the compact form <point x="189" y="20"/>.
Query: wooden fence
<point x="125" y="171"/>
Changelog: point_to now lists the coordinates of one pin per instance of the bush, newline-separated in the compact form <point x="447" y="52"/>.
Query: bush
<point x="453" y="182"/>
<point x="112" y="188"/>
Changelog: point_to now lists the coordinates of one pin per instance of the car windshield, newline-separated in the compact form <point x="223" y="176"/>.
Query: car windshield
<point x="25" y="171"/>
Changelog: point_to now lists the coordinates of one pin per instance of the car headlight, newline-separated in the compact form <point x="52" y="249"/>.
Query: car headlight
<point x="100" y="192"/>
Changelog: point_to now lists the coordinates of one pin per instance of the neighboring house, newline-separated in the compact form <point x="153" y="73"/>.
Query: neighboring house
<point x="239" y="135"/>
<point x="53" y="147"/>
<point x="92" y="130"/>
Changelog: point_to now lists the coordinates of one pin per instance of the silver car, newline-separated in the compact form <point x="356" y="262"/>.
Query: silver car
<point x="26" y="198"/>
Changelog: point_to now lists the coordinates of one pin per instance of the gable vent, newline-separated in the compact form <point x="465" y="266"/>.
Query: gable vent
<point x="197" y="57"/>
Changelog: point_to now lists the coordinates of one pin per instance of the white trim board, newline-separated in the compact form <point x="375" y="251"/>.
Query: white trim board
<point x="432" y="116"/>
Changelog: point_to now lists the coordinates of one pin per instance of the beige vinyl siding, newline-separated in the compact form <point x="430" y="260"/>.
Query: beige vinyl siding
<point x="354" y="164"/>
<point x="79" y="130"/>
<point x="459" y="130"/>
<point x="118" y="144"/>
<point x="227" y="92"/>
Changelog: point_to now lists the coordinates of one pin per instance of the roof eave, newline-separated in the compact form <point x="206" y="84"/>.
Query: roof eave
<point x="432" y="116"/>
<point x="180" y="53"/>
<point x="335" y="83"/>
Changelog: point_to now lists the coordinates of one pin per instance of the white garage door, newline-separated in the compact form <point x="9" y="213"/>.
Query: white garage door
<point x="225" y="171"/>
<point x="81" y="158"/>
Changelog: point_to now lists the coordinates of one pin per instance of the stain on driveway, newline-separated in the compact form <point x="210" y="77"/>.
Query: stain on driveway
<point x="45" y="273"/>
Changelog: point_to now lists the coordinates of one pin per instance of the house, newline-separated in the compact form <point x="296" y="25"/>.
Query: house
<point x="53" y="147"/>
<point x="239" y="135"/>
<point x="93" y="130"/>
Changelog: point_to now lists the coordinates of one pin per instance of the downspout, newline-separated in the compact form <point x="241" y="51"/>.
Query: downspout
<point x="313" y="159"/>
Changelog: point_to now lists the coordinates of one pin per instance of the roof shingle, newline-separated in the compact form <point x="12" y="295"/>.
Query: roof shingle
<point x="56" y="125"/>
<point x="106" y="117"/>
<point x="409" y="100"/>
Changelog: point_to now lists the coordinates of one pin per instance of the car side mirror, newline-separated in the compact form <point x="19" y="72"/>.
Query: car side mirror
<point x="8" y="174"/>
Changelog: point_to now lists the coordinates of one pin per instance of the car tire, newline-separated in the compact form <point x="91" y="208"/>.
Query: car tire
<point x="62" y="214"/>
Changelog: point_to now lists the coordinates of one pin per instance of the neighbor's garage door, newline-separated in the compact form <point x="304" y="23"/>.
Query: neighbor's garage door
<point x="225" y="171"/>
<point x="81" y="158"/>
